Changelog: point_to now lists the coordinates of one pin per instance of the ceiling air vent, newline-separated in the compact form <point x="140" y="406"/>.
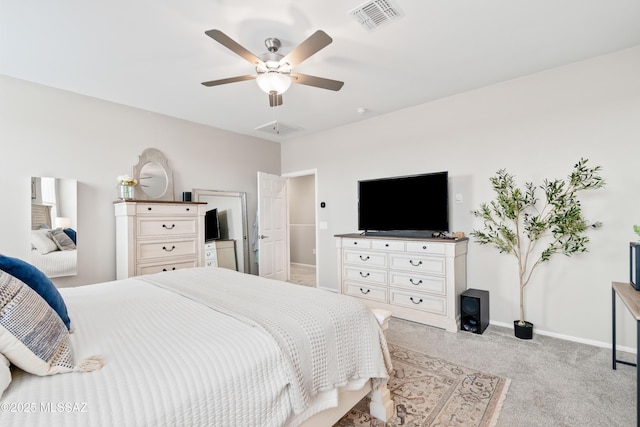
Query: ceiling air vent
<point x="279" y="128"/>
<point x="373" y="14"/>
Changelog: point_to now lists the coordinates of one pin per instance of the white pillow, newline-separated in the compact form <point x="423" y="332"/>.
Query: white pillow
<point x="61" y="240"/>
<point x="5" y="374"/>
<point x="42" y="242"/>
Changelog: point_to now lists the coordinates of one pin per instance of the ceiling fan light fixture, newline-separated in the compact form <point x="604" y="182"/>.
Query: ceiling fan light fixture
<point x="273" y="81"/>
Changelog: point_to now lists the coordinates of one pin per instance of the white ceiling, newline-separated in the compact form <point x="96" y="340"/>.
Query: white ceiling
<point x="153" y="54"/>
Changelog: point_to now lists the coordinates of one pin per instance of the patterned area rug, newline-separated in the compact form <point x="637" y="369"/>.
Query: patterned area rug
<point x="433" y="392"/>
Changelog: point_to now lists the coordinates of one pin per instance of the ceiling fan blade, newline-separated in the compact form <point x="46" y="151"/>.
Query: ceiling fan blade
<point x="311" y="45"/>
<point x="322" y="83"/>
<point x="229" y="80"/>
<point x="232" y="45"/>
<point x="275" y="99"/>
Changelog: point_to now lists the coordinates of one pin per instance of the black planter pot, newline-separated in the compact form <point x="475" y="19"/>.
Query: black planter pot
<point x="523" y="332"/>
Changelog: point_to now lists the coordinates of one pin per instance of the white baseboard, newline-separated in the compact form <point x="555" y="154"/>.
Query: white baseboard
<point x="570" y="338"/>
<point x="303" y="265"/>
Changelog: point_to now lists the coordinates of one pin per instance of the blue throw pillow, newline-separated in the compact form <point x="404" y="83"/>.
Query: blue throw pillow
<point x="71" y="233"/>
<point x="37" y="281"/>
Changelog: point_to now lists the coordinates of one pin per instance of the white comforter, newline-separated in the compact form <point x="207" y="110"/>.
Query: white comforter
<point x="56" y="263"/>
<point x="169" y="361"/>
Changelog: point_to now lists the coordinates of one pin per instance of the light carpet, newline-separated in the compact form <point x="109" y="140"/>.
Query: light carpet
<point x="433" y="392"/>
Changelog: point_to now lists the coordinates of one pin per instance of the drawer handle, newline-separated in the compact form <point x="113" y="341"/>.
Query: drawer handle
<point x="365" y="258"/>
<point x="386" y="245"/>
<point x="368" y="290"/>
<point x="164" y="269"/>
<point x="149" y="208"/>
<point x="169" y="228"/>
<point x="424" y="247"/>
<point x="414" y="283"/>
<point x="188" y="209"/>
<point x="169" y="250"/>
<point x="419" y="301"/>
<point x="364" y="275"/>
<point x="415" y="265"/>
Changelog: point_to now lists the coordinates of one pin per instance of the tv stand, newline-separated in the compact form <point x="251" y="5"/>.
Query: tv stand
<point x="416" y="278"/>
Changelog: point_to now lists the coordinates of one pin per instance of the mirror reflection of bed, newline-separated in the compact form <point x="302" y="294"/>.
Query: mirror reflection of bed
<point x="53" y="226"/>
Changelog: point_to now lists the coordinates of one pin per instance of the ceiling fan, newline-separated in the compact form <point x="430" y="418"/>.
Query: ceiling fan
<point x="274" y="70"/>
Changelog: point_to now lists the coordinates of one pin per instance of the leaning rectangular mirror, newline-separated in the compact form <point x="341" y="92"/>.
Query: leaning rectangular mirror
<point x="231" y="212"/>
<point x="54" y="225"/>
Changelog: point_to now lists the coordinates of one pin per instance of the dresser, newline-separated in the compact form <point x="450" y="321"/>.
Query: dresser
<point x="220" y="253"/>
<point x="416" y="279"/>
<point x="155" y="236"/>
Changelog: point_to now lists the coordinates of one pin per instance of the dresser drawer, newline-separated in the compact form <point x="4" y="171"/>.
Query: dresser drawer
<point x="388" y="245"/>
<point x="371" y="259"/>
<point x="165" y="266"/>
<point x="434" y="248"/>
<point x="210" y="255"/>
<point x="364" y="291"/>
<point x="210" y="251"/>
<point x="420" y="264"/>
<point x="419" y="301"/>
<point x="418" y="282"/>
<point x="151" y="249"/>
<point x="356" y="243"/>
<point x="166" y="209"/>
<point x="154" y="227"/>
<point x="366" y="275"/>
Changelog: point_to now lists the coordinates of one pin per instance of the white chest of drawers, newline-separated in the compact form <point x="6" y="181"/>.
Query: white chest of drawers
<point x="220" y="253"/>
<point x="154" y="236"/>
<point x="210" y="254"/>
<point x="415" y="278"/>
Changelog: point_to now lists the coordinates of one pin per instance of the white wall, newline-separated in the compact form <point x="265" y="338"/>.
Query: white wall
<point x="48" y="132"/>
<point x="536" y="127"/>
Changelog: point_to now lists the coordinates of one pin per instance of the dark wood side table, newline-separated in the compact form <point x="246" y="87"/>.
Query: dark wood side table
<point x="631" y="299"/>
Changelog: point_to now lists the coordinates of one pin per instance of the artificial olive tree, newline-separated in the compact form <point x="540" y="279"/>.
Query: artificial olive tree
<point x="516" y="222"/>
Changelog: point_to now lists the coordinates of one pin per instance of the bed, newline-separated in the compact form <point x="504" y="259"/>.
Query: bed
<point x="53" y="251"/>
<point x="207" y="347"/>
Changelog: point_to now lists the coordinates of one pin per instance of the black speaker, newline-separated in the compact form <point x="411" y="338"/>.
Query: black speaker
<point x="474" y="310"/>
<point x="186" y="196"/>
<point x="634" y="265"/>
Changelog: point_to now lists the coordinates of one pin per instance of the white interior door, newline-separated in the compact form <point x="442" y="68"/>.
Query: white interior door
<point x="273" y="253"/>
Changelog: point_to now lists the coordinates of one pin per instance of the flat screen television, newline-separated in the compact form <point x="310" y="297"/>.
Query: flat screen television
<point x="211" y="225"/>
<point x="415" y="205"/>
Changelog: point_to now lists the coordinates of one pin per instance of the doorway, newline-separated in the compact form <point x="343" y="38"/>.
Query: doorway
<point x="301" y="192"/>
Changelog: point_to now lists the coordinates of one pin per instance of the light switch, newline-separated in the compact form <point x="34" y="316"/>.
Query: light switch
<point x="458" y="197"/>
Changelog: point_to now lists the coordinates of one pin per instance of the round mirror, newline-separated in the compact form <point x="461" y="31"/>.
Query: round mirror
<point x="153" y="180"/>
